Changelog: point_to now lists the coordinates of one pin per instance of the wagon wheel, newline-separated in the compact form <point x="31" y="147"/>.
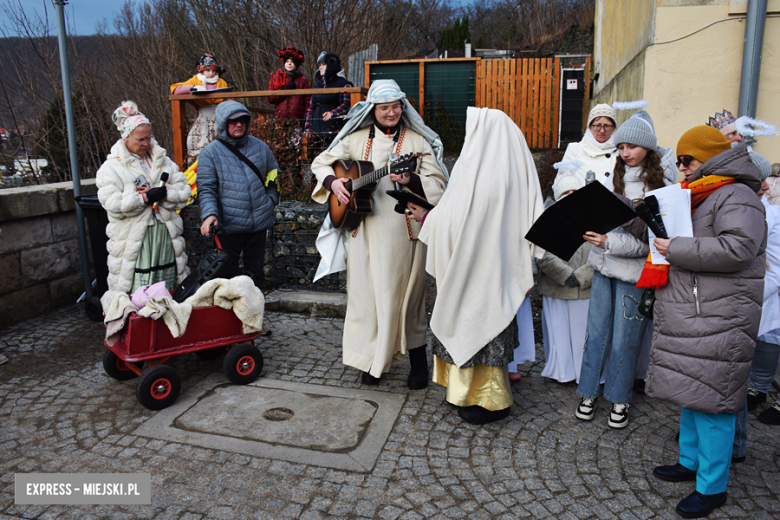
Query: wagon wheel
<point x="158" y="387"/>
<point x="117" y="368"/>
<point x="243" y="364"/>
<point x="94" y="309"/>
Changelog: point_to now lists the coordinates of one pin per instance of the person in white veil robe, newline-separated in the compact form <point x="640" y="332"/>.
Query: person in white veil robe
<point x="385" y="261"/>
<point x="482" y="263"/>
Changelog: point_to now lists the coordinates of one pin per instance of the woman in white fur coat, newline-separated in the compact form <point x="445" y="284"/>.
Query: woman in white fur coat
<point x="145" y="243"/>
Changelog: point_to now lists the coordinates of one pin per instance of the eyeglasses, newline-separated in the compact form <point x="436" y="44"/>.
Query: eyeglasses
<point x="603" y="128"/>
<point x="685" y="160"/>
<point x="142" y="140"/>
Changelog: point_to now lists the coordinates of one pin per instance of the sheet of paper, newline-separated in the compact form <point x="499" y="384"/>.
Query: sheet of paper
<point x="675" y="206"/>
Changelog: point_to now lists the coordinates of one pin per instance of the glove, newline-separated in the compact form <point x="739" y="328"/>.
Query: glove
<point x="289" y="86"/>
<point x="198" y="88"/>
<point x="156" y="194"/>
<point x="571" y="281"/>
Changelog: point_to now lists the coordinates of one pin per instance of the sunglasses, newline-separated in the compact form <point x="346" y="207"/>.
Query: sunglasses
<point x="603" y="128"/>
<point x="685" y="160"/>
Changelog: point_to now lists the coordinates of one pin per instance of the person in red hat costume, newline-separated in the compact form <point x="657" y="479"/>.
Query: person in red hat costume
<point x="289" y="77"/>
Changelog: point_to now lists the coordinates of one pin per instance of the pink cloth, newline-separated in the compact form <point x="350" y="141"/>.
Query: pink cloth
<point x="183" y="90"/>
<point x="144" y="293"/>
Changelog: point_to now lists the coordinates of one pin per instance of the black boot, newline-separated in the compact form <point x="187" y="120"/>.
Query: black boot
<point x="479" y="415"/>
<point x="697" y="505"/>
<point x="368" y="379"/>
<point x="418" y="375"/>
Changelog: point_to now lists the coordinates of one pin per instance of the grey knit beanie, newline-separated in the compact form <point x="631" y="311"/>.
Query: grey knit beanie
<point x="761" y="163"/>
<point x="637" y="130"/>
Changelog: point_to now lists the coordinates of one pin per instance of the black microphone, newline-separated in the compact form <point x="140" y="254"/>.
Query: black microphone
<point x="652" y="204"/>
<point x="645" y="214"/>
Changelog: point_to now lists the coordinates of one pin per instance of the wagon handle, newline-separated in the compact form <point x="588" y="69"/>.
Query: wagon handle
<point x="213" y="229"/>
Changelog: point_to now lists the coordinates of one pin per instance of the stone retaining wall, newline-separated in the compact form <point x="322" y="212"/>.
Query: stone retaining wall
<point x="291" y="257"/>
<point x="40" y="268"/>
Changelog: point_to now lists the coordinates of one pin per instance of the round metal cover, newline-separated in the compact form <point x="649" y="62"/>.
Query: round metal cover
<point x="278" y="414"/>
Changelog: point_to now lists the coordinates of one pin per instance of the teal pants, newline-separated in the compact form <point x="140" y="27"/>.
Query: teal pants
<point x="706" y="440"/>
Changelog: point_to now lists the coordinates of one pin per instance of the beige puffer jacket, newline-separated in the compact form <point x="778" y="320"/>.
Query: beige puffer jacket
<point x="707" y="315"/>
<point x="553" y="273"/>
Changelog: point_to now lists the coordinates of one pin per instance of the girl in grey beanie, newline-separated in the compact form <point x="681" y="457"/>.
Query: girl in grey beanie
<point x="617" y="259"/>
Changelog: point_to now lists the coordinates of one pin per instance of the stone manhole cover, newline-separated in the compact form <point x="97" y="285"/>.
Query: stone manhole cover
<point x="278" y="414"/>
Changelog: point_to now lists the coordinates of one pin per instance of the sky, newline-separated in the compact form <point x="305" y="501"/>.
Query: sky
<point x="81" y="16"/>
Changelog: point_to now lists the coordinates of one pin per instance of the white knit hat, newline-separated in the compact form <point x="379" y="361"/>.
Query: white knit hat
<point x="127" y="117"/>
<point x="567" y="178"/>
<point x="602" y="110"/>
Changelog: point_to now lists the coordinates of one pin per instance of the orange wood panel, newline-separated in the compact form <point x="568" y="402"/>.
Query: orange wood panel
<point x="525" y="91"/>
<point x="367" y="82"/>
<point x="534" y="102"/>
<point x="556" y="101"/>
<point x="178" y="111"/>
<point x="422" y="88"/>
<point x="513" y="90"/>
<point x="548" y="103"/>
<point x="507" y="86"/>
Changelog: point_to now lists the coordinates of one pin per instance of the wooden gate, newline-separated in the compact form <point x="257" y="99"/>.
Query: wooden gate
<point x="528" y="91"/>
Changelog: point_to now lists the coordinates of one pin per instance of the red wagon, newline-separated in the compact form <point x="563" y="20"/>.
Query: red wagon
<point x="210" y="332"/>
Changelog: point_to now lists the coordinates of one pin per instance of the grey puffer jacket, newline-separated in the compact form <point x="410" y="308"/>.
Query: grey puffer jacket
<point x="228" y="188"/>
<point x="553" y="273"/>
<point x="707" y="315"/>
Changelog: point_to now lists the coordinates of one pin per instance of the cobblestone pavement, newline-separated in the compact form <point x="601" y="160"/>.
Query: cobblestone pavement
<point x="59" y="412"/>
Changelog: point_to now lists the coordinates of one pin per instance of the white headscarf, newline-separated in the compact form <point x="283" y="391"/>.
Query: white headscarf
<point x="477" y="249"/>
<point x="388" y="91"/>
<point x="127" y="117"/>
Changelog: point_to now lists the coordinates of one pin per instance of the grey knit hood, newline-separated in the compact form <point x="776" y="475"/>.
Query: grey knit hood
<point x="225" y="111"/>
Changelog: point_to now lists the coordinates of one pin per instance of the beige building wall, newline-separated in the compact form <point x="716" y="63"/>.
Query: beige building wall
<point x="623" y="30"/>
<point x="688" y="80"/>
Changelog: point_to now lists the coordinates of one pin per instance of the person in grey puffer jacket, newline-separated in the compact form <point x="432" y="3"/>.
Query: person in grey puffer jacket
<point x="232" y="194"/>
<point x="707" y="314"/>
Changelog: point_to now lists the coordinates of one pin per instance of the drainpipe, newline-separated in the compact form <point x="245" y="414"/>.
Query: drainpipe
<point x="59" y="6"/>
<point x="751" y="57"/>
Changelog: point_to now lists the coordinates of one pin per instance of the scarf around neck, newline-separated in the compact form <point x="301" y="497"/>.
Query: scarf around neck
<point x="594" y="148"/>
<point x="655" y="276"/>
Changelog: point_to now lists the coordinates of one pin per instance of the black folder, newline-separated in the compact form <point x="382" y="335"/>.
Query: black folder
<point x="593" y="208"/>
<point x="405" y="196"/>
<point x="215" y="91"/>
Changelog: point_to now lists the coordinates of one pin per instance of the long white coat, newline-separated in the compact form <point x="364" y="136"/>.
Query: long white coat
<point x="129" y="216"/>
<point x="385" y="269"/>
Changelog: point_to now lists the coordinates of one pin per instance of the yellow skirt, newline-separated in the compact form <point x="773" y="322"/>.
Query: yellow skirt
<point x="480" y="385"/>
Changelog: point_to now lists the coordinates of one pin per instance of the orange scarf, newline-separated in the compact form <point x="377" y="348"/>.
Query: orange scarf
<point x="656" y="275"/>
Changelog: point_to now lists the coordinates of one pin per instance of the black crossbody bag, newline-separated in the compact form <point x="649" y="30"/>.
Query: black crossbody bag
<point x="244" y="160"/>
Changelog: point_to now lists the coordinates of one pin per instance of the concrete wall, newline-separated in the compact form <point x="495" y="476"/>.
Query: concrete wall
<point x="688" y="80"/>
<point x="40" y="268"/>
<point x="291" y="257"/>
<point x="623" y="30"/>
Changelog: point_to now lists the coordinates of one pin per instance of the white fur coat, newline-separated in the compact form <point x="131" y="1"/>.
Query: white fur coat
<point x="129" y="216"/>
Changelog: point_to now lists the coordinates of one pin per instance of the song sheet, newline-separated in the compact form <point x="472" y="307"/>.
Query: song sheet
<point x="675" y="206"/>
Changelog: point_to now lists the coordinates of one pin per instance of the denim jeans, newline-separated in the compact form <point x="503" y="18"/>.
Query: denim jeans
<point x="740" y="433"/>
<point x="764" y="366"/>
<point x="613" y="319"/>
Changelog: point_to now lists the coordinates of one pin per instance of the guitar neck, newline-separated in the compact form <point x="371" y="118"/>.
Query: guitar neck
<point x="368" y="178"/>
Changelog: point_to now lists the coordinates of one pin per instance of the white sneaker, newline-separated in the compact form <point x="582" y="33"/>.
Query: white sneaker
<point x="586" y="409"/>
<point x="618" y="417"/>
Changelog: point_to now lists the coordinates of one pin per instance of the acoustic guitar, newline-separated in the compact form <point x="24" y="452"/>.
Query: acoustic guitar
<point x="363" y="180"/>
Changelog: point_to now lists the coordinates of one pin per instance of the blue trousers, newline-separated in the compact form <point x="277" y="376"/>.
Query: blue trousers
<point x="613" y="318"/>
<point x="706" y="440"/>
